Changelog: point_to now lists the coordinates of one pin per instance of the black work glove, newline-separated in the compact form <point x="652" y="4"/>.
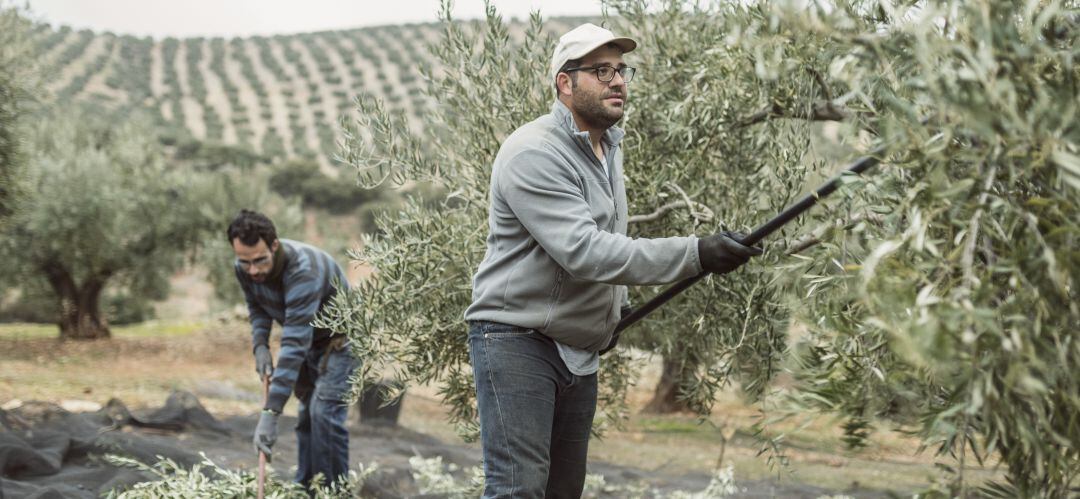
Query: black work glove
<point x="722" y="253"/>
<point x="266" y="433"/>
<point x="623" y="313"/>
<point x="264" y="364"/>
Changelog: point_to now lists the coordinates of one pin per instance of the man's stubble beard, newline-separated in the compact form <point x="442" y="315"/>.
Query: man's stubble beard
<point x="590" y="108"/>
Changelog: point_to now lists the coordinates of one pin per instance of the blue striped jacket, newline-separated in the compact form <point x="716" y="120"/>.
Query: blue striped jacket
<point x="308" y="280"/>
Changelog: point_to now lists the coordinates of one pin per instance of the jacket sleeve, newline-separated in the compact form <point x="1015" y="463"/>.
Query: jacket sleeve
<point x="302" y="298"/>
<point x="545" y="194"/>
<point x="260" y="321"/>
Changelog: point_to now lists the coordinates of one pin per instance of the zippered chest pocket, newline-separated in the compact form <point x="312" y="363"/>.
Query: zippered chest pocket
<point x="601" y="203"/>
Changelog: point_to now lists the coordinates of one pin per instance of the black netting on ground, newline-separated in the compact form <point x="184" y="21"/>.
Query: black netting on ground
<point x="46" y="451"/>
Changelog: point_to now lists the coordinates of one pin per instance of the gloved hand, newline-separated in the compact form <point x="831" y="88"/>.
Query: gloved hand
<point x="266" y="433"/>
<point x="623" y="313"/>
<point x="264" y="363"/>
<point x="722" y="253"/>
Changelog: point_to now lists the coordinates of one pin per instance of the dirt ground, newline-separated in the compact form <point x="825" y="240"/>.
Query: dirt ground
<point x="141" y="365"/>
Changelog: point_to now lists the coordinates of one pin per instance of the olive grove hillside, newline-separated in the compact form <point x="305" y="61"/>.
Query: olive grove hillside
<point x="278" y="96"/>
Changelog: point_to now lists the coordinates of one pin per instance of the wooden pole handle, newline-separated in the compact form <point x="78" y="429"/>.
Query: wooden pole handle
<point x="261" y="488"/>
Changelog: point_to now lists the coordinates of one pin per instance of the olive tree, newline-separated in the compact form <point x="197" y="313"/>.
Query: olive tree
<point x="102" y="209"/>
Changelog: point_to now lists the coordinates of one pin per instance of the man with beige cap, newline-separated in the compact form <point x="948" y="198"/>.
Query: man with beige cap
<point x="552" y="285"/>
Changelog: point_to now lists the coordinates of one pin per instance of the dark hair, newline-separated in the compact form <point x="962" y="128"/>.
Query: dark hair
<point x="572" y="63"/>
<point x="250" y="226"/>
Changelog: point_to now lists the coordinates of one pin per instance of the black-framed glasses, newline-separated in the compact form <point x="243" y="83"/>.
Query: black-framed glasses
<point x="607" y="73"/>
<point x="258" y="262"/>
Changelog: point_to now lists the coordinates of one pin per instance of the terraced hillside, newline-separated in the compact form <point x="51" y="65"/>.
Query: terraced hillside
<point x="280" y="96"/>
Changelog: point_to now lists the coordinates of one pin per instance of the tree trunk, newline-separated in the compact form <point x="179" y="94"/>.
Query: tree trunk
<point x="80" y="313"/>
<point x="81" y="318"/>
<point x="666" y="397"/>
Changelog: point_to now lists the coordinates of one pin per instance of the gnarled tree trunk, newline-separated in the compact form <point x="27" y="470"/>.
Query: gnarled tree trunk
<point x="666" y="397"/>
<point x="80" y="311"/>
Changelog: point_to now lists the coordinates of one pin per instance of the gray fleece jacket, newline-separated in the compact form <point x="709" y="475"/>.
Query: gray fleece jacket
<point x="558" y="257"/>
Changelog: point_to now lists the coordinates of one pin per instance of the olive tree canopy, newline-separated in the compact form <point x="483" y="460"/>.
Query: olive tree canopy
<point x="105" y="210"/>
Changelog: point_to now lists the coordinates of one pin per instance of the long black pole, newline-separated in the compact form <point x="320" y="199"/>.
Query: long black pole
<point x="760" y="233"/>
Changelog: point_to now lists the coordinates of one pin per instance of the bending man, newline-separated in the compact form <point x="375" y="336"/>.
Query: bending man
<point x="289" y="282"/>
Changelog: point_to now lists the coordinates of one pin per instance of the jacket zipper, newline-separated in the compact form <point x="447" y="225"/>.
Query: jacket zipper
<point x="610" y="179"/>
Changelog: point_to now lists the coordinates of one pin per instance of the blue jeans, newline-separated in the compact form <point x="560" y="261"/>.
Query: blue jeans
<point x="321" y="437"/>
<point x="535" y="415"/>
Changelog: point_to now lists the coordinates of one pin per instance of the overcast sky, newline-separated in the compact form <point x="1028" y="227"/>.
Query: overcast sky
<point x="181" y="18"/>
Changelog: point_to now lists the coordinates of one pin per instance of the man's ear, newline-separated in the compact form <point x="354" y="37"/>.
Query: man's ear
<point x="274" y="247"/>
<point x="565" y="83"/>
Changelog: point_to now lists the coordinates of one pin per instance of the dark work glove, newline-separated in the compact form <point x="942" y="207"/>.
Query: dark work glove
<point x="266" y="433"/>
<point x="623" y="313"/>
<point x="722" y="253"/>
<point x="264" y="364"/>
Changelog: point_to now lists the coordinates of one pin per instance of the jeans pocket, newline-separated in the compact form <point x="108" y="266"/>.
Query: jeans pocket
<point x="505" y="331"/>
<point x="333" y="382"/>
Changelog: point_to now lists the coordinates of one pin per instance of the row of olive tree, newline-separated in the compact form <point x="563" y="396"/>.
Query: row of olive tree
<point x="938" y="293"/>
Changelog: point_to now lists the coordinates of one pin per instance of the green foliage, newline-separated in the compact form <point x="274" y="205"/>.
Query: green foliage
<point x="696" y="163"/>
<point x="435" y="478"/>
<point x="956" y="312"/>
<point x="272" y="145"/>
<point x="209" y="480"/>
<point x="213" y="156"/>
<point x="105" y="210"/>
<point x="304" y="179"/>
<point x="16" y="90"/>
<point x="53" y="38"/>
<point x="430" y="475"/>
<point x="34" y="302"/>
<point x="125" y="307"/>
<point x="112" y="220"/>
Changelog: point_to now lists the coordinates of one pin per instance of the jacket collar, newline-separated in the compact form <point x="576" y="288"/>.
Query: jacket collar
<point x="612" y="136"/>
<point x="281" y="260"/>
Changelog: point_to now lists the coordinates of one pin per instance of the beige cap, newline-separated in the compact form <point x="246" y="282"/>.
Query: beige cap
<point x="583" y="39"/>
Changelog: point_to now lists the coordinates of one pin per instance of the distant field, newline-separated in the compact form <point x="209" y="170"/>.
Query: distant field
<point x="280" y="96"/>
